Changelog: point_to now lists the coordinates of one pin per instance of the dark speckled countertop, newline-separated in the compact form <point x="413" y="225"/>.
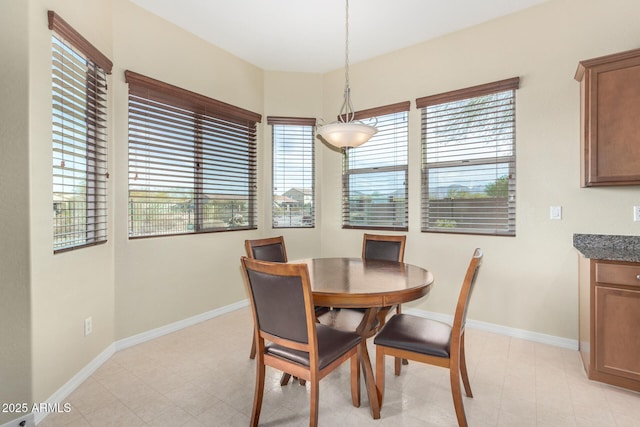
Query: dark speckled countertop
<point x="608" y="247"/>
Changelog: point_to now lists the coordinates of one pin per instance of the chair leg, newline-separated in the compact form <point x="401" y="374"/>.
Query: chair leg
<point x="463" y="368"/>
<point x="258" y="393"/>
<point x="456" y="392"/>
<point x="355" y="379"/>
<point x="380" y="374"/>
<point x="315" y="390"/>
<point x="284" y="380"/>
<point x="252" y="355"/>
<point x="398" y="360"/>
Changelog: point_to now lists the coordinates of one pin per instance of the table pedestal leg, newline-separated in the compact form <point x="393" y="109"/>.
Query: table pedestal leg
<point x="369" y="381"/>
<point x="368" y="328"/>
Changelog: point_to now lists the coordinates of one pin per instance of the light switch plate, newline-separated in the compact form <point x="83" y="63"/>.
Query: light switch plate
<point x="88" y="326"/>
<point x="555" y="212"/>
<point x="636" y="213"/>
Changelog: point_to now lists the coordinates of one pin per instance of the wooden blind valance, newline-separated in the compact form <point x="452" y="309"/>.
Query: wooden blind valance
<point x="381" y="111"/>
<point x="300" y="121"/>
<point x="67" y="32"/>
<point x="470" y="92"/>
<point x="156" y="90"/>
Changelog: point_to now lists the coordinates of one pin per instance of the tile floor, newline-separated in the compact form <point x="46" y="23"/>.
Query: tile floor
<point x="202" y="376"/>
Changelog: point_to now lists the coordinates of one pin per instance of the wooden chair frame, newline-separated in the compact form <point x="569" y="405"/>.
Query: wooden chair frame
<point x="311" y="373"/>
<point x="456" y="362"/>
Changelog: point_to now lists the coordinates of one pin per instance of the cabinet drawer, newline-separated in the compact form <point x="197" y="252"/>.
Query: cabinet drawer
<point x="617" y="274"/>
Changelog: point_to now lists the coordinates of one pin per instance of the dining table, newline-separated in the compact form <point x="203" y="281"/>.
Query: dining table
<point x="373" y="285"/>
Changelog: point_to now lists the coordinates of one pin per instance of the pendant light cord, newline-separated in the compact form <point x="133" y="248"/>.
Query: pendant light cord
<point x="346" y="48"/>
<point x="347" y="114"/>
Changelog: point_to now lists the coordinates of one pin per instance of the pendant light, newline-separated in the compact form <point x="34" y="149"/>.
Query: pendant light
<point x="347" y="132"/>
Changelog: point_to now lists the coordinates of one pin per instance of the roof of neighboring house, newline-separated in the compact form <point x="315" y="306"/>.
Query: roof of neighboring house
<point x="305" y="191"/>
<point x="284" y="199"/>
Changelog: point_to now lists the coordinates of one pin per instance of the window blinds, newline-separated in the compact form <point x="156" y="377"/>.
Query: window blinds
<point x="374" y="178"/>
<point x="79" y="98"/>
<point x="293" y="189"/>
<point x="192" y="162"/>
<point x="469" y="160"/>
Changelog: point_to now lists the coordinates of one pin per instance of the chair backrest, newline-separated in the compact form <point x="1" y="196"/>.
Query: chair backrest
<point x="460" y="316"/>
<point x="270" y="249"/>
<point x="281" y="300"/>
<point x="383" y="247"/>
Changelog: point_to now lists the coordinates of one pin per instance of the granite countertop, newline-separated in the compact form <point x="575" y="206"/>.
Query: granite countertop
<point x="608" y="247"/>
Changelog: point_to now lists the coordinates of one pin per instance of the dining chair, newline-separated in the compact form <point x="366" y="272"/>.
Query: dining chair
<point x="271" y="249"/>
<point x="296" y="342"/>
<point x="374" y="247"/>
<point x="267" y="249"/>
<point x="432" y="342"/>
<point x="383" y="247"/>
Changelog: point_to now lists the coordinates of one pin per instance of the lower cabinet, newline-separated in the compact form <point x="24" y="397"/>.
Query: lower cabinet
<point x="610" y="349"/>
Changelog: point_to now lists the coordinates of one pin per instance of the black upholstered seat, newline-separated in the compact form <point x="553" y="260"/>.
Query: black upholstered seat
<point x="416" y="334"/>
<point x="331" y="345"/>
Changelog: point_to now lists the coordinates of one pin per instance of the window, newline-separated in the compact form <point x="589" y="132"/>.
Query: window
<point x="469" y="160"/>
<point x="293" y="201"/>
<point x="192" y="161"/>
<point x="374" y="175"/>
<point x="79" y="140"/>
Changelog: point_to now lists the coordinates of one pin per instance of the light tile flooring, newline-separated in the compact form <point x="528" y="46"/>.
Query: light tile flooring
<point x="202" y="376"/>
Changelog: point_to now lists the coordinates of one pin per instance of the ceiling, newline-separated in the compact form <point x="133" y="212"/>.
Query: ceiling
<point x="309" y="35"/>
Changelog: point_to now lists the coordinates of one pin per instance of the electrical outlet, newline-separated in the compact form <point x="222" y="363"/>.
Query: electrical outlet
<point x="88" y="326"/>
<point x="636" y="213"/>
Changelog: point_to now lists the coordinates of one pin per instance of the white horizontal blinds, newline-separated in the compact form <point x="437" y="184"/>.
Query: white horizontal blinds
<point x="79" y="98"/>
<point x="192" y="162"/>
<point x="293" y="189"/>
<point x="469" y="160"/>
<point x="374" y="177"/>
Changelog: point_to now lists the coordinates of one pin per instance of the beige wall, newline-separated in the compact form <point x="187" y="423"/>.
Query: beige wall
<point x="132" y="286"/>
<point x="530" y="281"/>
<point x="290" y="95"/>
<point x="69" y="287"/>
<point x="162" y="280"/>
<point x="15" y="308"/>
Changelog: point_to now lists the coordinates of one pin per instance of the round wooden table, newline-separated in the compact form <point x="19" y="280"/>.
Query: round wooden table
<point x="374" y="285"/>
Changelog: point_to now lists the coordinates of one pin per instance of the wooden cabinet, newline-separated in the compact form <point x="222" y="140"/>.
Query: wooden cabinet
<point x="610" y="128"/>
<point x="610" y="348"/>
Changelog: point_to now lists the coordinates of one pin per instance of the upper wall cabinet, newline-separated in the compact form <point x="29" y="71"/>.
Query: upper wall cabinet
<point x="610" y="119"/>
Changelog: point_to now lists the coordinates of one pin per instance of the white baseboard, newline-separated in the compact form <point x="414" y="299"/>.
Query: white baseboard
<point x="176" y="326"/>
<point x="75" y="381"/>
<point x="27" y="419"/>
<point x="501" y="330"/>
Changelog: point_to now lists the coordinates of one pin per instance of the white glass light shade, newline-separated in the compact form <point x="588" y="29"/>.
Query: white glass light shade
<point x="341" y="134"/>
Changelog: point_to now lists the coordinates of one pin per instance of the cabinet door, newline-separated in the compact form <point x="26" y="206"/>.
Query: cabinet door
<point x="609" y="110"/>
<point x="617" y="312"/>
<point x="615" y="128"/>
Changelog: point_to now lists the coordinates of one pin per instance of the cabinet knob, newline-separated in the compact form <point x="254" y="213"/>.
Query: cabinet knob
<point x="638" y="277"/>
